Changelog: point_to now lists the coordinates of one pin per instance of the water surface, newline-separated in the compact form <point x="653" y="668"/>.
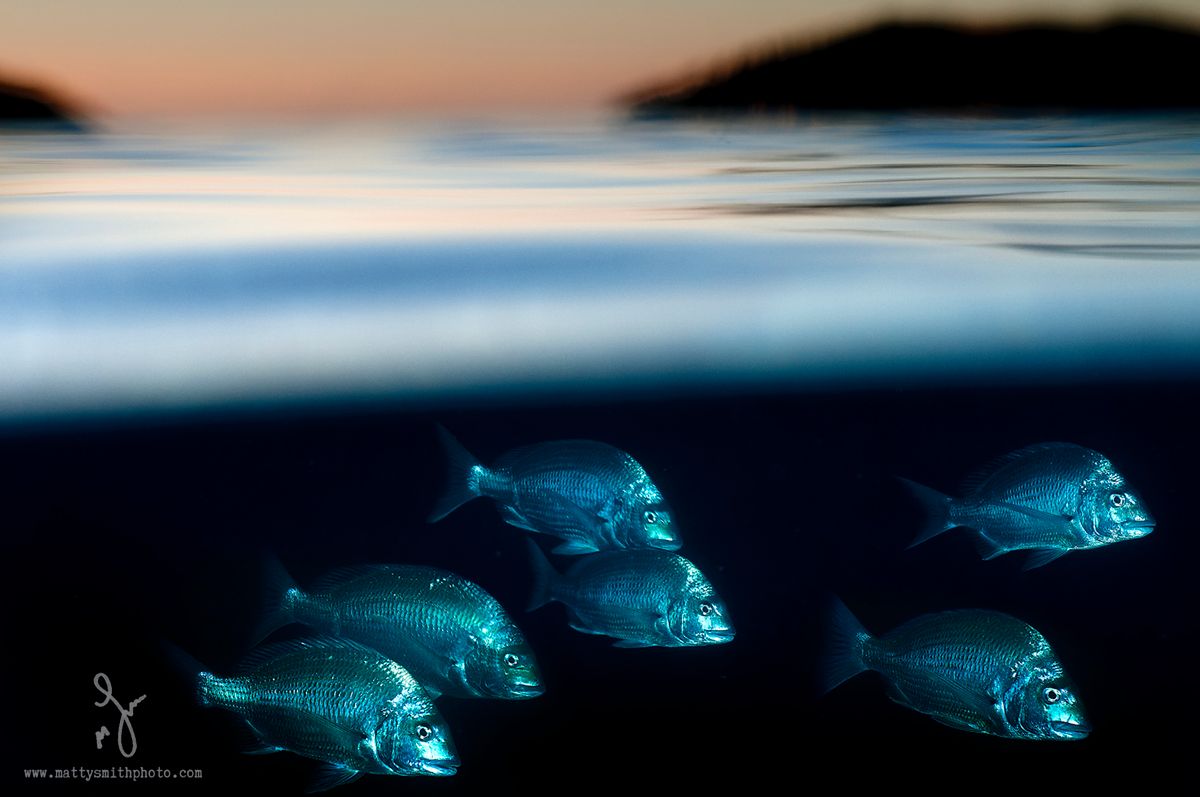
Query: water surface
<point x="181" y="270"/>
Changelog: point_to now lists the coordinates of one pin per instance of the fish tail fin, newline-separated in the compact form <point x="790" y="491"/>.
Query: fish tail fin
<point x="544" y="577"/>
<point x="192" y="671"/>
<point x="842" y="658"/>
<point x="462" y="476"/>
<point x="279" y="594"/>
<point x="937" y="511"/>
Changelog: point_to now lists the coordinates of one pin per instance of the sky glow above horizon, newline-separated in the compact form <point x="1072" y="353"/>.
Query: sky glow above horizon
<point x="126" y="58"/>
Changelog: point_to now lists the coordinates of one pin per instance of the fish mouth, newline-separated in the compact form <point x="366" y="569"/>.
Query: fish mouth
<point x="524" y="691"/>
<point x="1070" y="730"/>
<point x="443" y="768"/>
<point x="1140" y="529"/>
<point x="718" y="636"/>
<point x="666" y="545"/>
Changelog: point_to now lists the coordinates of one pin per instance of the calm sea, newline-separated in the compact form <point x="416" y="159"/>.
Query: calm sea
<point x="223" y="342"/>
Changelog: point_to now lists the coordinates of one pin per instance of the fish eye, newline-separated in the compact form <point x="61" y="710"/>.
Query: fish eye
<point x="650" y="517"/>
<point x="706" y="609"/>
<point x="424" y="731"/>
<point x="1050" y="695"/>
<point x="511" y="660"/>
<point x="1117" y="499"/>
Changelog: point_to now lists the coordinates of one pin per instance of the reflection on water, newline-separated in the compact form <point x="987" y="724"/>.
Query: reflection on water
<point x="183" y="269"/>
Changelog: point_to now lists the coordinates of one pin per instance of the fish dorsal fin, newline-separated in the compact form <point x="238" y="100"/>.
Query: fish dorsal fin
<point x="332" y="579"/>
<point x="976" y="478"/>
<point x="267" y="653"/>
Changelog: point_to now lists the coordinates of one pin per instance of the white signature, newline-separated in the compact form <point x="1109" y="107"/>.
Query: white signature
<point x="125" y="728"/>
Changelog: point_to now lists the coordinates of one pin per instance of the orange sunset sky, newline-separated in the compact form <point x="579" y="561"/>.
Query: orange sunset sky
<point x="161" y="57"/>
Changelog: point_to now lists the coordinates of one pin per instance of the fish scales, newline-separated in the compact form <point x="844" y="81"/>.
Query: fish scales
<point x="642" y="597"/>
<point x="1011" y="529"/>
<point x="1049" y="482"/>
<point x="339" y="702"/>
<point x="967" y="646"/>
<point x="1049" y="498"/>
<point x="589" y="494"/>
<point x="605" y="592"/>
<point x="592" y="476"/>
<point x="454" y="636"/>
<point x="340" y="686"/>
<point x="431" y="603"/>
<point x="972" y="669"/>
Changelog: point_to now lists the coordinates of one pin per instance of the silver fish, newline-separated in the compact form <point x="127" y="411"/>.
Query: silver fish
<point x="644" y="598"/>
<point x="591" y="495"/>
<point x="1052" y="498"/>
<point x="339" y="702"/>
<point x="453" y="636"/>
<point x="970" y="669"/>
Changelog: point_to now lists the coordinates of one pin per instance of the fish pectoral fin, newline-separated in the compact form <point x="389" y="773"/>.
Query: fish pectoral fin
<point x="631" y="643"/>
<point x="345" y="738"/>
<point x="957" y="723"/>
<point x="583" y="629"/>
<point x="586" y="519"/>
<point x="1037" y="514"/>
<point x="331" y="776"/>
<point x="1043" y="556"/>
<point x="574" y="548"/>
<point x="978" y="701"/>
<point x="608" y="511"/>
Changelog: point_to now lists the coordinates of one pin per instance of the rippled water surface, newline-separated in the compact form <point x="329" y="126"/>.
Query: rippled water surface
<point x="182" y="269"/>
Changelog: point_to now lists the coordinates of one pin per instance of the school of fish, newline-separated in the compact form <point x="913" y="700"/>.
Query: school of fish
<point x="386" y="640"/>
<point x="389" y="639"/>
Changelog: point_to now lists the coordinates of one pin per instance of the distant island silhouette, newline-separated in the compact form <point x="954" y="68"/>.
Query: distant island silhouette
<point x="26" y="107"/>
<point x="1118" y="66"/>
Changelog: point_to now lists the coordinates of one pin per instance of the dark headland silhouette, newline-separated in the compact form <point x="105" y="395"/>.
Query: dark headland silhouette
<point x="26" y="107"/>
<point x="1118" y="66"/>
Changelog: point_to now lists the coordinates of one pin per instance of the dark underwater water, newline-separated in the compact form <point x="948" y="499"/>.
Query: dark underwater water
<point x="121" y="535"/>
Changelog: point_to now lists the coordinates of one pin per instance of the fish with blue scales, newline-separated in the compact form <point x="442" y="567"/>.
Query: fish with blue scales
<point x="338" y="702"/>
<point x="1048" y="498"/>
<point x="643" y="598"/>
<point x="591" y="495"/>
<point x="449" y="632"/>
<point x="970" y="669"/>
